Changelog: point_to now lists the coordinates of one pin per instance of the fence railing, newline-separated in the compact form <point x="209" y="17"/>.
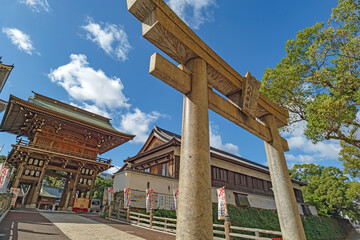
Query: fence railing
<point x="221" y="231"/>
<point x="5" y="200"/>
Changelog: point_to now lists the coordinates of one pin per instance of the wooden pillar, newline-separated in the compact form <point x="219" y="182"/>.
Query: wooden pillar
<point x="38" y="186"/>
<point x="63" y="195"/>
<point x="288" y="212"/>
<point x="73" y="193"/>
<point x="30" y="196"/>
<point x="18" y="174"/>
<point x="227" y="228"/>
<point x="68" y="193"/>
<point x="194" y="219"/>
<point x="92" y="185"/>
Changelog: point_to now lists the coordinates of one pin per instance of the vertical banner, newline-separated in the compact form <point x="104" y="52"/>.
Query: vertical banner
<point x="222" y="209"/>
<point x="15" y="192"/>
<point x="176" y="197"/>
<point x="4" y="173"/>
<point x="149" y="199"/>
<point x="127" y="197"/>
<point x="110" y="195"/>
<point x="5" y="186"/>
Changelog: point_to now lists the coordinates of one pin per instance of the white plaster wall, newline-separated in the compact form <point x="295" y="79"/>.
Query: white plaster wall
<point x="261" y="202"/>
<point x="138" y="181"/>
<point x="119" y="181"/>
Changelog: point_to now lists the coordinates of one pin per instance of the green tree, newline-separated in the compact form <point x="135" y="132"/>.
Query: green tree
<point x="2" y="158"/>
<point x="328" y="189"/>
<point x="318" y="81"/>
<point x="52" y="181"/>
<point x="99" y="186"/>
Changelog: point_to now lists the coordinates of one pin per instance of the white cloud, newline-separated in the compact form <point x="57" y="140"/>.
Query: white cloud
<point x="37" y="5"/>
<point x="110" y="37"/>
<point x="216" y="142"/>
<point x="138" y="123"/>
<point x="113" y="170"/>
<point x="309" y="152"/>
<point x="193" y="12"/>
<point x="84" y="83"/>
<point x="20" y="39"/>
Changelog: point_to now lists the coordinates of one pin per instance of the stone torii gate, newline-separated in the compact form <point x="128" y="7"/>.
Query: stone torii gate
<point x="200" y="71"/>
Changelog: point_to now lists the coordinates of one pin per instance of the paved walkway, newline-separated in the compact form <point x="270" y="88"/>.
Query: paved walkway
<point x="30" y="226"/>
<point x="81" y="228"/>
<point x="34" y="225"/>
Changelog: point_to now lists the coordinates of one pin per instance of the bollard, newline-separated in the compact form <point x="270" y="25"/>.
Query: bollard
<point x="151" y="217"/>
<point x="128" y="214"/>
<point x="227" y="225"/>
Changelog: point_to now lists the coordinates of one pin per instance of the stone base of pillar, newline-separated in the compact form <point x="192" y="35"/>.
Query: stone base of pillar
<point x="68" y="209"/>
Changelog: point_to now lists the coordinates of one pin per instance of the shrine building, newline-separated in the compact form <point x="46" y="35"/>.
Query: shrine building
<point x="247" y="183"/>
<point x="60" y="140"/>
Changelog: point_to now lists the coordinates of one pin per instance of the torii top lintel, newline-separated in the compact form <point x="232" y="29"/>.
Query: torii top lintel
<point x="162" y="27"/>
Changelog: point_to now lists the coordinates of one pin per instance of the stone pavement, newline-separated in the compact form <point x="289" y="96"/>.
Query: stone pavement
<point x="29" y="225"/>
<point x="34" y="225"/>
<point x="81" y="228"/>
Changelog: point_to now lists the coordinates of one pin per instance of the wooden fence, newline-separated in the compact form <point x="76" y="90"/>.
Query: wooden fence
<point x="221" y="231"/>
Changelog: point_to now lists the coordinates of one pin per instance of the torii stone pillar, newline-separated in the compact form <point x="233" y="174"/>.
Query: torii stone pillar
<point x="243" y="105"/>
<point x="194" y="220"/>
<point x="286" y="206"/>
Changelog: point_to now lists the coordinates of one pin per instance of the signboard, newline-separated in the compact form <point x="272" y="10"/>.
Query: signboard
<point x="81" y="204"/>
<point x="176" y="197"/>
<point x="110" y="195"/>
<point x="15" y="192"/>
<point x="222" y="209"/>
<point x="149" y="199"/>
<point x="127" y="197"/>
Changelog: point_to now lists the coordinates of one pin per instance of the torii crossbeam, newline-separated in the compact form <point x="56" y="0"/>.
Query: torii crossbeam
<point x="200" y="71"/>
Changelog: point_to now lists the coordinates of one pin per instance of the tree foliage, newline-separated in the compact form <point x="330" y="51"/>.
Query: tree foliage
<point x="99" y="186"/>
<point x="318" y="81"/>
<point x="328" y="189"/>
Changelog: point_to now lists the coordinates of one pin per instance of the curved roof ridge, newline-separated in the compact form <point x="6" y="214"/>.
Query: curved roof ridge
<point x="169" y="135"/>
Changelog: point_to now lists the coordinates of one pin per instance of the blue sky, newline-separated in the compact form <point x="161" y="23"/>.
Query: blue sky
<point x="92" y="55"/>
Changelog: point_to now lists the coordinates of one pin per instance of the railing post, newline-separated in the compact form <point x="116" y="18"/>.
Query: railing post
<point x="110" y="210"/>
<point x="151" y="217"/>
<point x="165" y="225"/>
<point x="139" y="219"/>
<point x="128" y="214"/>
<point x="257" y="234"/>
<point x="227" y="226"/>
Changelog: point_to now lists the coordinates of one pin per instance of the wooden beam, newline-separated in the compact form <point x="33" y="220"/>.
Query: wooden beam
<point x="163" y="69"/>
<point x="51" y="167"/>
<point x="181" y="81"/>
<point x="162" y="27"/>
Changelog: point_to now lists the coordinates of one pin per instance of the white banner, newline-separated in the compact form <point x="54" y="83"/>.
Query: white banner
<point x="222" y="209"/>
<point x="176" y="197"/>
<point x="127" y="197"/>
<point x="4" y="174"/>
<point x="110" y="195"/>
<point x="149" y="199"/>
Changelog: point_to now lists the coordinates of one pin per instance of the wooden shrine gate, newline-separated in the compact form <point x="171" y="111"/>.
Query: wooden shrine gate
<point x="201" y="71"/>
<point x="64" y="142"/>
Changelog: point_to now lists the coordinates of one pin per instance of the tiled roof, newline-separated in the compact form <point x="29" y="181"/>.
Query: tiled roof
<point x="70" y="112"/>
<point x="167" y="135"/>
